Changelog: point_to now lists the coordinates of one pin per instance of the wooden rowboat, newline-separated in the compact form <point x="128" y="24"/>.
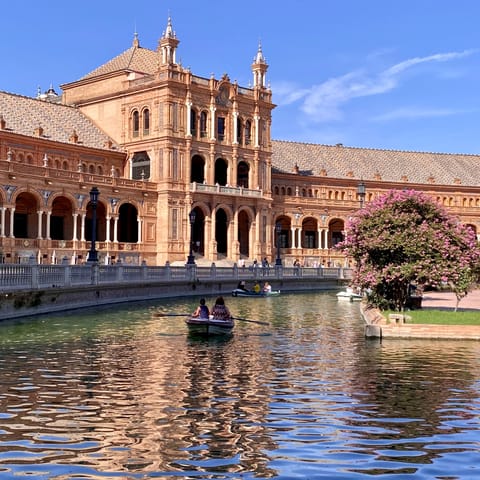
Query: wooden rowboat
<point x="209" y="326"/>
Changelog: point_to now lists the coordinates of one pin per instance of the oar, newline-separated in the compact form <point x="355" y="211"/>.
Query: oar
<point x="158" y="314"/>
<point x="251" y="321"/>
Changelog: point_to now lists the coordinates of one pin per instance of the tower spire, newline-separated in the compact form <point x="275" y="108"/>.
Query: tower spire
<point x="259" y="68"/>
<point x="168" y="45"/>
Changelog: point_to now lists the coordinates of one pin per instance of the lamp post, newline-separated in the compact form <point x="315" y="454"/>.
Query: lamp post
<point x="92" y="254"/>
<point x="278" y="229"/>
<point x="361" y="189"/>
<point x="191" y="257"/>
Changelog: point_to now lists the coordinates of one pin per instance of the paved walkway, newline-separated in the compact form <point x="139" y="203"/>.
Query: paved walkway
<point x="448" y="300"/>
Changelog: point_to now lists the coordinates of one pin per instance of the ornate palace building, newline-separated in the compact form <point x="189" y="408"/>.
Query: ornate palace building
<point x="186" y="164"/>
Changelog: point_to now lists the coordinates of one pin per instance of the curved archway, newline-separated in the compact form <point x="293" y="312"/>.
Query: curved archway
<point x="221" y="230"/>
<point x="284" y="235"/>
<point x="243" y="170"/>
<point x="221" y="169"/>
<point x="336" y="228"/>
<point x="25" y="216"/>
<point x="127" y="223"/>
<point x="198" y="234"/>
<point x="244" y="224"/>
<point x="309" y="233"/>
<point x="197" y="169"/>
<point x="61" y="220"/>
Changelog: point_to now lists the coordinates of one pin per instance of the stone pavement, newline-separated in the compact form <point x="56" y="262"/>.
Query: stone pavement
<point x="448" y="300"/>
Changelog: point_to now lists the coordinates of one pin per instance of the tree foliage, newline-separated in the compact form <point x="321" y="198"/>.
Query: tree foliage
<point x="405" y="238"/>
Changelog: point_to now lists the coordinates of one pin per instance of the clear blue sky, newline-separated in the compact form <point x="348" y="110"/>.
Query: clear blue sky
<point x="395" y="74"/>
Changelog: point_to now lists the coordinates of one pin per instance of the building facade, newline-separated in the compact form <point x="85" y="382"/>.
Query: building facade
<point x="185" y="165"/>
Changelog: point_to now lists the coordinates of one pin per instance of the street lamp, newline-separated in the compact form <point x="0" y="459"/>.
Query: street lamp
<point x="361" y="189"/>
<point x="191" y="257"/>
<point x="278" y="229"/>
<point x="92" y="254"/>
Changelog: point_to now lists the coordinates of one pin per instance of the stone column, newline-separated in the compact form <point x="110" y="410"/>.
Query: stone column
<point x="12" y="215"/>
<point x="39" y="224"/>
<point x="2" y="225"/>
<point x="75" y="226"/>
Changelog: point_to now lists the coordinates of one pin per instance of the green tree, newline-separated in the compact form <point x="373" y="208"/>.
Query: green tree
<point x="404" y="238"/>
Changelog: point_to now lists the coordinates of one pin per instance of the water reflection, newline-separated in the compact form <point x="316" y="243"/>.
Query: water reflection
<point x="124" y="393"/>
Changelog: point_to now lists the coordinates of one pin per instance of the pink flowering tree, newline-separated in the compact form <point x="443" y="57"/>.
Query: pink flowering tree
<point x="404" y="238"/>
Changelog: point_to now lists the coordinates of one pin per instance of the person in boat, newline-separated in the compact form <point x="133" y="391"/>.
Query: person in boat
<point x="241" y="286"/>
<point x="202" y="310"/>
<point x="267" y="288"/>
<point x="220" y="311"/>
<point x="256" y="287"/>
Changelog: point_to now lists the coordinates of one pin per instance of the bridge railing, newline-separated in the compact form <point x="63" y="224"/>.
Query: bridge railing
<point x="32" y="276"/>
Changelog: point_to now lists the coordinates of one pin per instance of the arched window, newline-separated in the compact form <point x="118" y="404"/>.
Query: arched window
<point x="197" y="169"/>
<point x="239" y="131"/>
<point x="146" y="121"/>
<point x="203" y="124"/>
<point x="135" y="123"/>
<point x="221" y="129"/>
<point x="242" y="174"/>
<point x="193" y="122"/>
<point x="221" y="169"/>
<point x="248" y="132"/>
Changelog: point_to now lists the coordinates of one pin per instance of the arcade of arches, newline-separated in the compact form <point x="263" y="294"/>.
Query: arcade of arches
<point x="33" y="222"/>
<point x="233" y="234"/>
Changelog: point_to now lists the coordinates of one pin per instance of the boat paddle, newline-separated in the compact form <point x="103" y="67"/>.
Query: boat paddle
<point x="251" y="321"/>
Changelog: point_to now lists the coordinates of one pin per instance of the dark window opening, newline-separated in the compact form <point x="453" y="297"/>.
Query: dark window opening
<point x="140" y="166"/>
<point x="56" y="228"/>
<point x="146" y="121"/>
<point x="193" y="123"/>
<point x="203" y="124"/>
<point x="135" y="124"/>
<point x="221" y="129"/>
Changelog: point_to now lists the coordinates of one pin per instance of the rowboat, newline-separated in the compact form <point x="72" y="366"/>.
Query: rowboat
<point x="209" y="326"/>
<point x="238" y="292"/>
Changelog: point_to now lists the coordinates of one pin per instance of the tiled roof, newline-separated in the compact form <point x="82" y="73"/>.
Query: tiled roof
<point x="136" y="58"/>
<point x="342" y="162"/>
<point x="23" y="115"/>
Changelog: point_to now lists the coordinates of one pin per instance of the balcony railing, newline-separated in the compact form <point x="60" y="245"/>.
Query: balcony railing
<point x="237" y="191"/>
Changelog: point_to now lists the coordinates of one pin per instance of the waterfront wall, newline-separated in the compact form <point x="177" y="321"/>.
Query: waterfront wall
<point x="397" y="326"/>
<point x="37" y="289"/>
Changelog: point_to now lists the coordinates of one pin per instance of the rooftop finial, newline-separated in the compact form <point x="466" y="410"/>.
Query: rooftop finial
<point x="259" y="58"/>
<point x="136" y="42"/>
<point x="169" y="33"/>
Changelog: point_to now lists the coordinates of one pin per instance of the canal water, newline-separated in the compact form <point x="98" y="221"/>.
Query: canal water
<point x="126" y="393"/>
